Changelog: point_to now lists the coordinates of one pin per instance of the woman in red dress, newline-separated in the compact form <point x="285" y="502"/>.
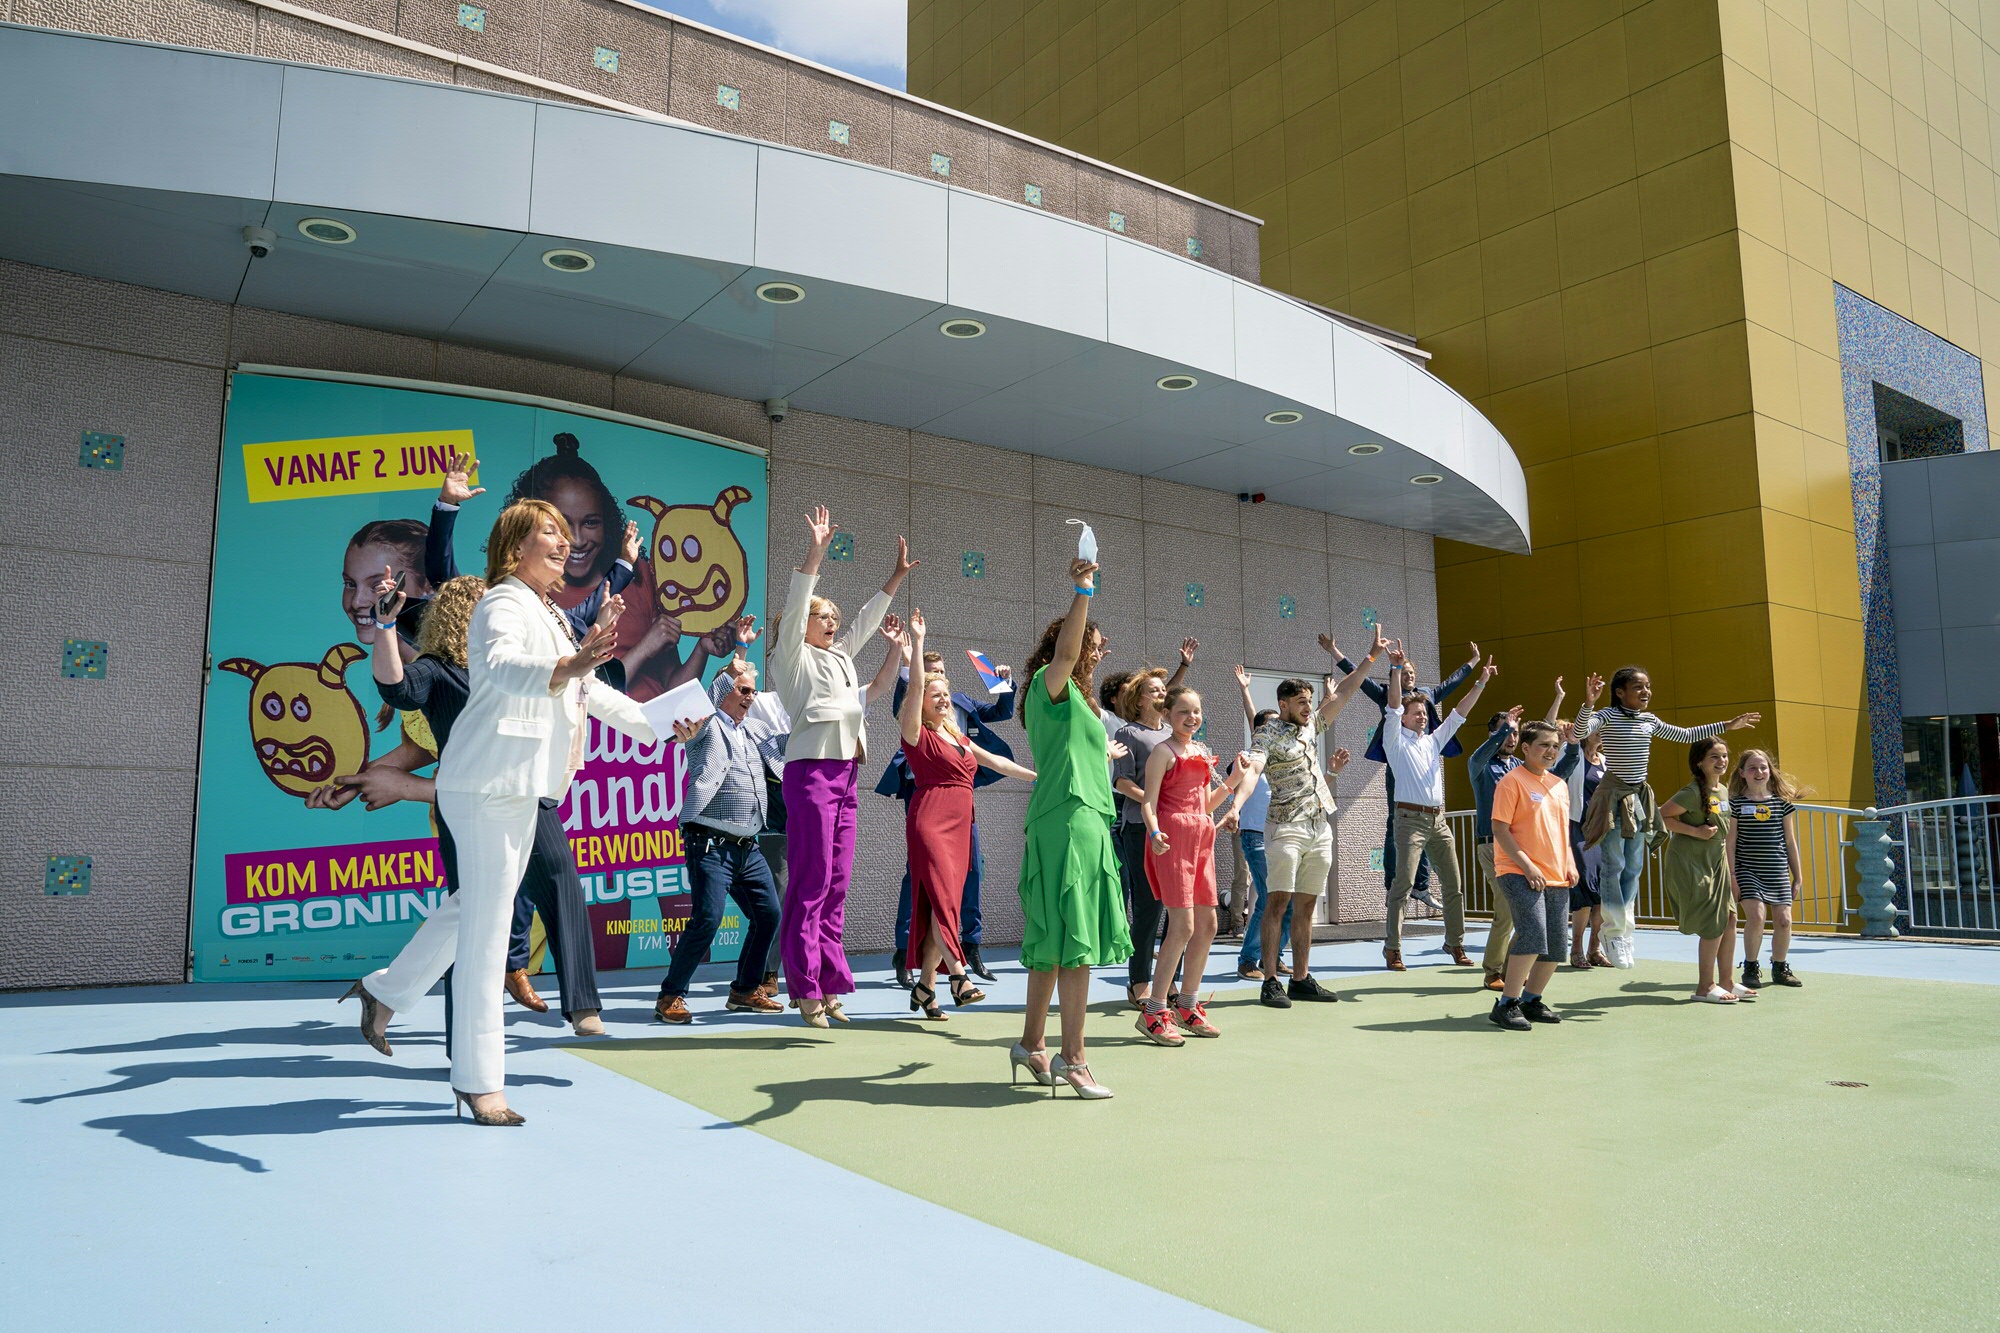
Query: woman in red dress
<point x="1182" y="796"/>
<point x="942" y="763"/>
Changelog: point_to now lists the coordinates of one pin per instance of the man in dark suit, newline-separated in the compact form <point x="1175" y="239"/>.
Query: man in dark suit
<point x="974" y="721"/>
<point x="1434" y="698"/>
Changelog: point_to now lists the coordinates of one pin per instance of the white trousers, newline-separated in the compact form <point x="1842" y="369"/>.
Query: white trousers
<point x="494" y="836"/>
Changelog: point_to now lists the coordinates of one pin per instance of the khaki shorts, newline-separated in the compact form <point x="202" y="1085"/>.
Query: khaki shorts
<point x="1299" y="856"/>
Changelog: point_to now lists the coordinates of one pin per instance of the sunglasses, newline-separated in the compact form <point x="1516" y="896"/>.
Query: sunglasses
<point x="746" y="690"/>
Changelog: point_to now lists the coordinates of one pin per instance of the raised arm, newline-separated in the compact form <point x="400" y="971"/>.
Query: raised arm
<point x="1471" y="699"/>
<point x="387" y="665"/>
<point x="1689" y="735"/>
<point x="1188" y="649"/>
<point x="887" y="676"/>
<point x="1587" y="719"/>
<point x="1243" y="686"/>
<point x="440" y="563"/>
<point x="616" y="580"/>
<point x="1555" y="704"/>
<point x="1372" y="688"/>
<point x="1441" y="693"/>
<point x="1069" y="639"/>
<point x="910" y="717"/>
<point x="1337" y="697"/>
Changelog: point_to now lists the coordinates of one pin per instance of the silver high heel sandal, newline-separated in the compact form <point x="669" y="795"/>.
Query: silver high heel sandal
<point x="1022" y="1058"/>
<point x="1077" y="1076"/>
<point x="374" y="1033"/>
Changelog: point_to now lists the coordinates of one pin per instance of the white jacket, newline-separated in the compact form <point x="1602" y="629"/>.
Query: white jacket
<point x="514" y="737"/>
<point x="818" y="686"/>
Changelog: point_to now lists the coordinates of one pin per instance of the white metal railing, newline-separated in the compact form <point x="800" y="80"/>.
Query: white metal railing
<point x="1946" y="860"/>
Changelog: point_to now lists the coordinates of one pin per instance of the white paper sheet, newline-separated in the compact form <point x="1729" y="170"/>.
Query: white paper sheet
<point x="680" y="704"/>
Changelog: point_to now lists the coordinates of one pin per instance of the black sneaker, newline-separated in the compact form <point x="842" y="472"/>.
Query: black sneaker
<point x="1507" y="1014"/>
<point x="1753" y="973"/>
<point x="1782" y="974"/>
<point x="1537" y="1012"/>
<point x="1306" y="988"/>
<point x="1274" y="994"/>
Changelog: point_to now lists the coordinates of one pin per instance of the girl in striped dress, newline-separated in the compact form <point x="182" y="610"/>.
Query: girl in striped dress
<point x="1623" y="817"/>
<point x="1764" y="861"/>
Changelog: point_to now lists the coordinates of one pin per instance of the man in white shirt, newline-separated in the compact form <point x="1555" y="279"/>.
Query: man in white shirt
<point x="1416" y="758"/>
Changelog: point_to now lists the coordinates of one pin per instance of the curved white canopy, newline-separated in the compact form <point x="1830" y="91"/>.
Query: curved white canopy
<point x="456" y="194"/>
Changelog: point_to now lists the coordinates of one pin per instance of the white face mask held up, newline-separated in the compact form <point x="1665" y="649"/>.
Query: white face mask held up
<point x="1086" y="541"/>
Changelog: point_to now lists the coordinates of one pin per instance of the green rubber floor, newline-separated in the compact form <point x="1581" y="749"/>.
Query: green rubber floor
<point x="1394" y="1161"/>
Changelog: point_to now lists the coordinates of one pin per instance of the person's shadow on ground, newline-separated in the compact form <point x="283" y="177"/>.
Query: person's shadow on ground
<point x="181" y="1133"/>
<point x="132" y="1077"/>
<point x="888" y="1089"/>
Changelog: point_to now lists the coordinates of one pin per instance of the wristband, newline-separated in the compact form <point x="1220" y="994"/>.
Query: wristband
<point x="1082" y="591"/>
<point x="385" y="624"/>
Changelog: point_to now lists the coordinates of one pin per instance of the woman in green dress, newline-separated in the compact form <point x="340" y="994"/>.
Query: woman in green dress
<point x="1697" y="870"/>
<point x="1074" y="914"/>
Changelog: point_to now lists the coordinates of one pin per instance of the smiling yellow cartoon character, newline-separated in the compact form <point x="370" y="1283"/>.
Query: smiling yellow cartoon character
<point x="304" y="721"/>
<point x="698" y="565"/>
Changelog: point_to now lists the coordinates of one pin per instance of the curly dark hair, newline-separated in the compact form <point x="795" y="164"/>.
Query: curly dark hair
<point x="1045" y="652"/>
<point x="567" y="464"/>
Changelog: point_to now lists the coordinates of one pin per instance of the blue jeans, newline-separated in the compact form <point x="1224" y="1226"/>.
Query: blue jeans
<point x="1620" y="861"/>
<point x="968" y="909"/>
<point x="715" y="870"/>
<point x="1252" y="841"/>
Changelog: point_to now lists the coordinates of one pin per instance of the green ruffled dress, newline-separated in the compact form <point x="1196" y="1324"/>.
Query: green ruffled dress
<point x="1071" y="899"/>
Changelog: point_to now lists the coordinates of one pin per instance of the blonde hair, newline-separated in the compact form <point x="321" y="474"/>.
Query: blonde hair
<point x="1783" y="785"/>
<point x="447" y="623"/>
<point x="1128" y="696"/>
<point x="819" y="604"/>
<point x="517" y="522"/>
<point x="949" y="725"/>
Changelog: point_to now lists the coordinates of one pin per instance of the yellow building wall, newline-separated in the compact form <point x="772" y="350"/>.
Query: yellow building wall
<point x="1616" y="227"/>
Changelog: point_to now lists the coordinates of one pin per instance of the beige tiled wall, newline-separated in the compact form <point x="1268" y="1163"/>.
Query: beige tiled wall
<point x="108" y="767"/>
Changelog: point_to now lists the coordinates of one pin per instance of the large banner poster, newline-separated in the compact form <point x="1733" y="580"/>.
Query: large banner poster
<point x="324" y="484"/>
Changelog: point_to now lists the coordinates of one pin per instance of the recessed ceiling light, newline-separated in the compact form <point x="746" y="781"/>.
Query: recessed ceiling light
<point x="961" y="328"/>
<point x="1285" y="418"/>
<point x="1176" y="383"/>
<point x="1363" y="450"/>
<point x="1426" y="479"/>
<point x="781" y="293"/>
<point x="568" y="261"/>
<point x="327" y="231"/>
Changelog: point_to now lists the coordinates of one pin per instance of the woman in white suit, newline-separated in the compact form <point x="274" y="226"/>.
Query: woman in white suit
<point x="519" y="741"/>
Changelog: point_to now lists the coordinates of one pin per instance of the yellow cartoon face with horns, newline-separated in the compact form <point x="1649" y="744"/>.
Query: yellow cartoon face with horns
<point x="305" y="723"/>
<point x="698" y="565"/>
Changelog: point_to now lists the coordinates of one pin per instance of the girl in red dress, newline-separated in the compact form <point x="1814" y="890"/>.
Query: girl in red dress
<point x="942" y="763"/>
<point x="1182" y="796"/>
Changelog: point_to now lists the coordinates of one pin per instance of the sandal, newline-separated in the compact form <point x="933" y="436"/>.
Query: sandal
<point x="1136" y="996"/>
<point x="1715" y="995"/>
<point x="963" y="992"/>
<point x="924" y="999"/>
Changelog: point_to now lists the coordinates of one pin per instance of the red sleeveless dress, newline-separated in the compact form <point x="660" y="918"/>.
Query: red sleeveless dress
<point x="1184" y="875"/>
<point x="939" y="827"/>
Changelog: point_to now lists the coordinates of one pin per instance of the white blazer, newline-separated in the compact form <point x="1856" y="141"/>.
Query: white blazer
<point x="818" y="686"/>
<point x="515" y="735"/>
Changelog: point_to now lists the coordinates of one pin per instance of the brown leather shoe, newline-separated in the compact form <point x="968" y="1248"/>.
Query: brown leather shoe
<point x="1458" y="955"/>
<point x="673" y="1009"/>
<point x="1249" y="973"/>
<point x="523" y="991"/>
<point x="770" y="985"/>
<point x="1494" y="981"/>
<point x="753" y="1001"/>
<point x="1393" y="960"/>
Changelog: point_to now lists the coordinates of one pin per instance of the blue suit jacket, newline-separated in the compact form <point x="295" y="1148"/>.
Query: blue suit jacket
<point x="1434" y="697"/>
<point x="977" y="717"/>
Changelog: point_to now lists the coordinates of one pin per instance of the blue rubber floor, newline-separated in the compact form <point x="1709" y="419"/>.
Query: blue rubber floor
<point x="219" y="1157"/>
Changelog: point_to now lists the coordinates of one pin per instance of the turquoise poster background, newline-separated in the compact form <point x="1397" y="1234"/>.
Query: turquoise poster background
<point x="322" y="483"/>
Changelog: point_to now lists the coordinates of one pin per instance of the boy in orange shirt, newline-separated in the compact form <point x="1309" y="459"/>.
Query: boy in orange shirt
<point x="1534" y="866"/>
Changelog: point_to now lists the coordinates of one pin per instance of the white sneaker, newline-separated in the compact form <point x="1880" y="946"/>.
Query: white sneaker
<point x="1622" y="956"/>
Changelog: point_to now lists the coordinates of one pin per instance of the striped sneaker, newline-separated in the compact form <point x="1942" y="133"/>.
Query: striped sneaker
<point x="1193" y="1020"/>
<point x="1156" y="1026"/>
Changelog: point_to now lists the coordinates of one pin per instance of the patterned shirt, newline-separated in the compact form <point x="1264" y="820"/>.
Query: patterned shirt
<point x="1299" y="792"/>
<point x="1628" y="738"/>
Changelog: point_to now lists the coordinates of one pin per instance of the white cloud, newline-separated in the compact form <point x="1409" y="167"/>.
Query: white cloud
<point x="841" y="33"/>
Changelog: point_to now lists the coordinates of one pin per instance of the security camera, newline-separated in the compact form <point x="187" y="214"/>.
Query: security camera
<point x="776" y="408"/>
<point x="261" y="240"/>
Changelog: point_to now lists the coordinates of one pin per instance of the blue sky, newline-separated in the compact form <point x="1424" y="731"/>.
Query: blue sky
<point x="863" y="37"/>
